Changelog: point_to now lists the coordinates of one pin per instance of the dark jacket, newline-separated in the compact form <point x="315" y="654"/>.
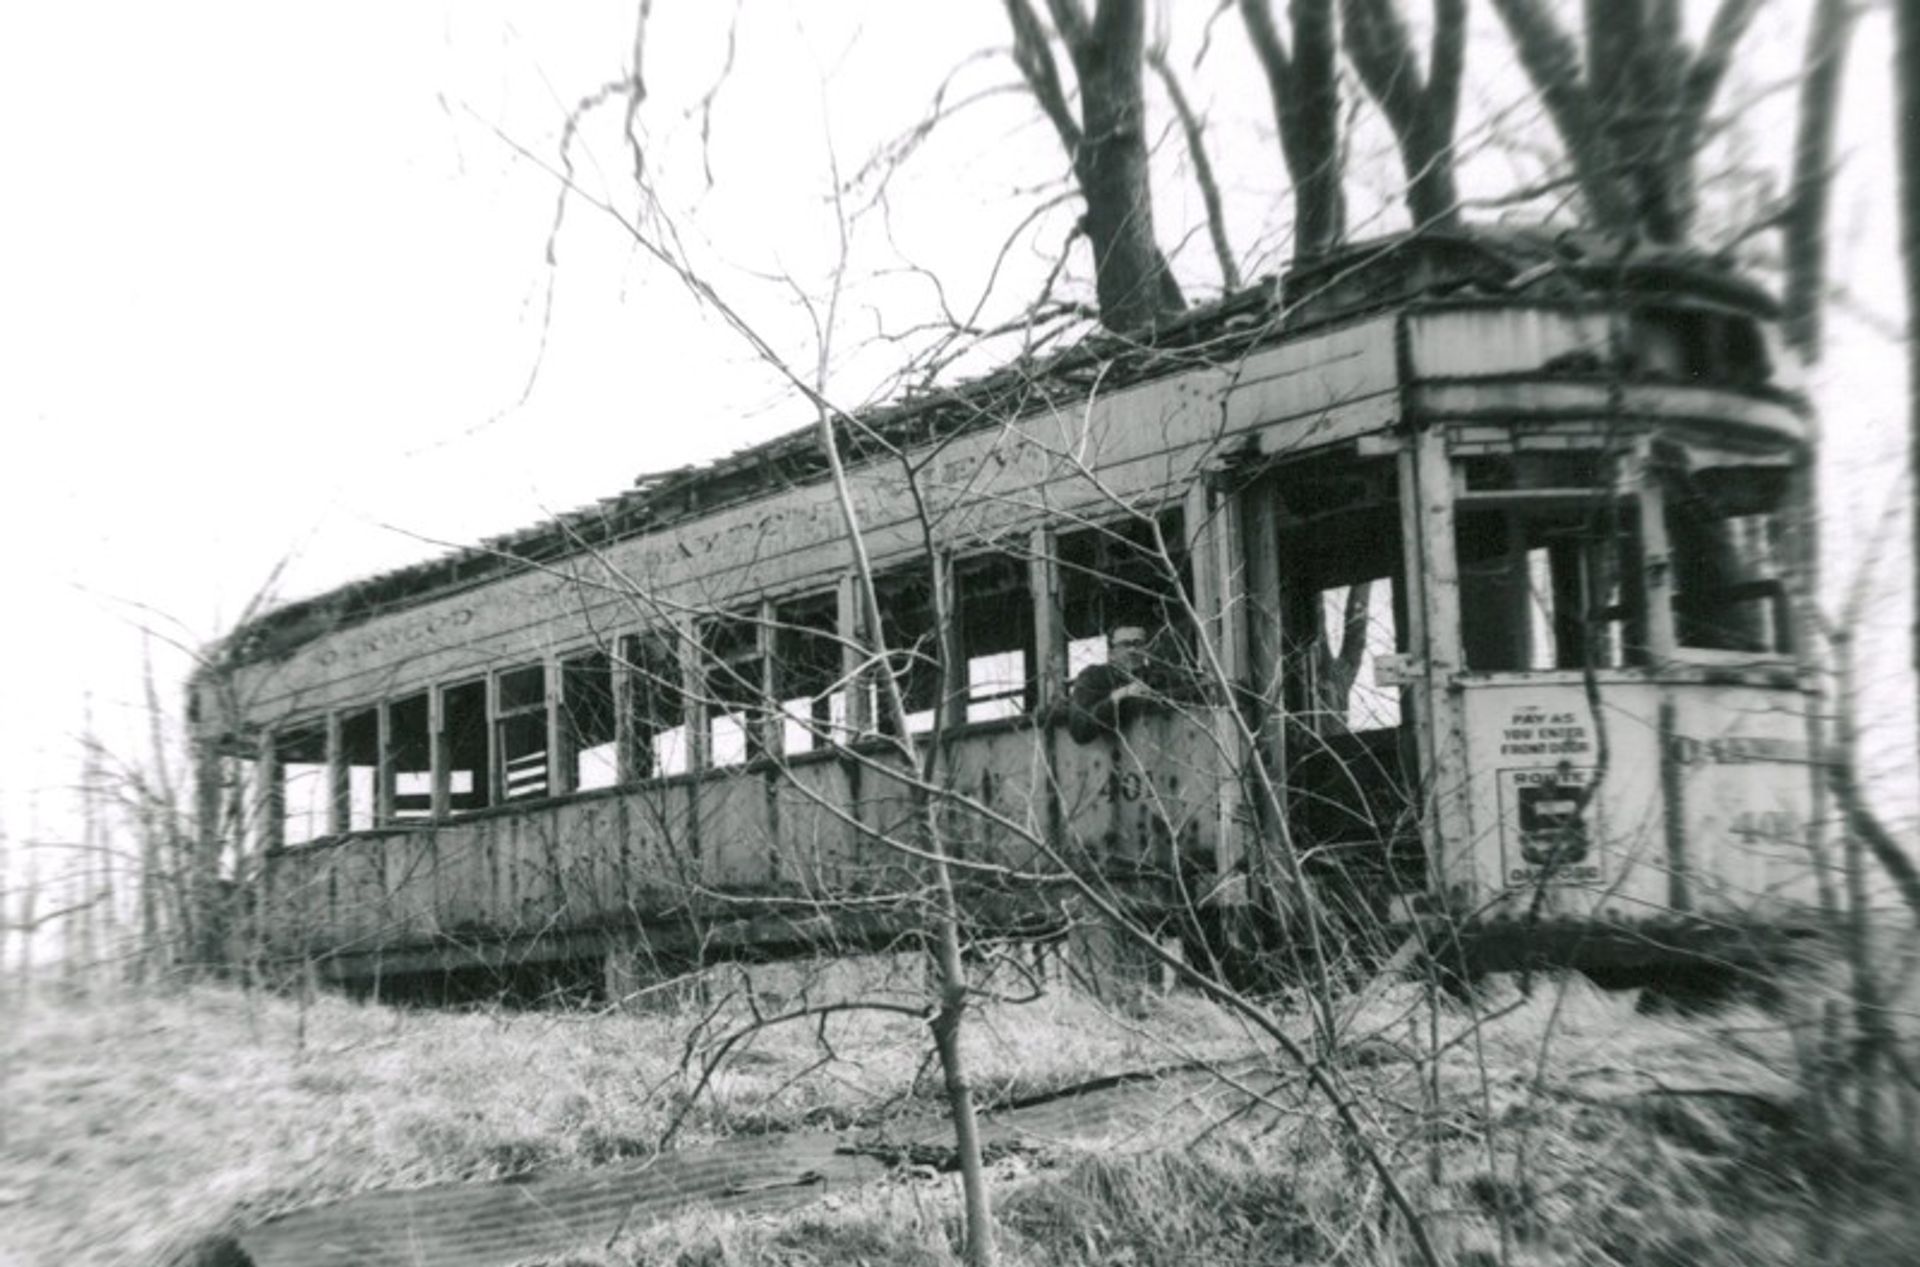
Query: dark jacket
<point x="1092" y="712"/>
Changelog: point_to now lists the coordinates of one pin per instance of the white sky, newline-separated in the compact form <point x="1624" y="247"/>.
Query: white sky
<point x="271" y="285"/>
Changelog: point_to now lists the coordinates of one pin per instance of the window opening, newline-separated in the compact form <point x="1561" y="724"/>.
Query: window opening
<point x="463" y="712"/>
<point x="656" y="707"/>
<point x="1344" y="606"/>
<point x="913" y="646"/>
<point x="520" y="720"/>
<point x="735" y="694"/>
<point x="1535" y="581"/>
<point x="300" y="755"/>
<point x="243" y="798"/>
<point x="360" y="759"/>
<point x="1701" y="345"/>
<point x="807" y="671"/>
<point x="1724" y="539"/>
<point x="1342" y="612"/>
<point x="1114" y="576"/>
<point x="1356" y="629"/>
<point x="1574" y="472"/>
<point x="996" y="636"/>
<point x="587" y="723"/>
<point x="410" y="759"/>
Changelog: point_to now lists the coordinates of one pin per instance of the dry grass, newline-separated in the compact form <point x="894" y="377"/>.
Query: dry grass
<point x="1568" y="1128"/>
<point x="130" y="1120"/>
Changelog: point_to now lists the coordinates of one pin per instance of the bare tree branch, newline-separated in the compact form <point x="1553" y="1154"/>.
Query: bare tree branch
<point x="1552" y="63"/>
<point x="1203" y="176"/>
<point x="1305" y="90"/>
<point x="1421" y="113"/>
<point x="1107" y="147"/>
<point x="1709" y="69"/>
<point x="1810" y="195"/>
<point x="1033" y="54"/>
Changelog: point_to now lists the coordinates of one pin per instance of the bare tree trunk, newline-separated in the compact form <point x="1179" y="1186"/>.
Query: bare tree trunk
<point x="29" y="913"/>
<point x="159" y="812"/>
<point x="1631" y="118"/>
<point x="1552" y="63"/>
<point x="1107" y="146"/>
<point x="1421" y="109"/>
<point x="950" y="967"/>
<point x="1906" y="85"/>
<point x="6" y="907"/>
<point x="97" y="896"/>
<point x="1843" y="774"/>
<point x="1306" y="111"/>
<point x="203" y="864"/>
<point x="1203" y="176"/>
<point x="1135" y="284"/>
<point x="1828" y="38"/>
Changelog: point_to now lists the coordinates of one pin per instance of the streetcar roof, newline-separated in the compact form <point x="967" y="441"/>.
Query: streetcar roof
<point x="1517" y="265"/>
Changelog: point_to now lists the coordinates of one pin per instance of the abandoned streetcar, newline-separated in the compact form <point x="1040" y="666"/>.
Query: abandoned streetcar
<point x="1463" y="559"/>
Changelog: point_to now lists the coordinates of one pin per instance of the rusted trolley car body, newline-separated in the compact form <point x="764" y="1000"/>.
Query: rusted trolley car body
<point x="1475" y="543"/>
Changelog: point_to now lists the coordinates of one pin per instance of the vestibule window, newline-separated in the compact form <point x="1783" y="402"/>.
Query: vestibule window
<point x="1342" y="617"/>
<point x="1549" y="585"/>
<point x="1342" y="603"/>
<point x="1356" y="627"/>
<point x="1724" y="540"/>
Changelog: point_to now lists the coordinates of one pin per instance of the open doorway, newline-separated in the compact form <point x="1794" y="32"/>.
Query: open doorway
<point x="1343" y="622"/>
